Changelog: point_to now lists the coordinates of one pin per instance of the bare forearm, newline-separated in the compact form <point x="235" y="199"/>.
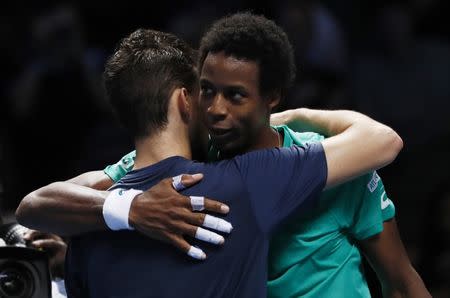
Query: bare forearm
<point x="387" y="256"/>
<point x="325" y="122"/>
<point x="94" y="179"/>
<point x="63" y="208"/>
<point x="410" y="286"/>
<point x="357" y="143"/>
<point x="369" y="144"/>
<point x="329" y="123"/>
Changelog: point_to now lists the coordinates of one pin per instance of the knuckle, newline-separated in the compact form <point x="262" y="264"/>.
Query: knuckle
<point x="179" y="227"/>
<point x="165" y="234"/>
<point x="185" y="214"/>
<point x="172" y="226"/>
<point x="192" y="231"/>
<point x="174" y="199"/>
<point x="169" y="236"/>
<point x="200" y="219"/>
<point x="173" y="213"/>
<point x="166" y="181"/>
<point x="186" y="179"/>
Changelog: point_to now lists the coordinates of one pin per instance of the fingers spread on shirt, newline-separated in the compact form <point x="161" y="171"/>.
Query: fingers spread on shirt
<point x="192" y="251"/>
<point x="198" y="203"/>
<point x="208" y="221"/>
<point x="200" y="233"/>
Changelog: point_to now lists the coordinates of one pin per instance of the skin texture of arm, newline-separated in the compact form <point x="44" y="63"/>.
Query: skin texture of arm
<point x="68" y="209"/>
<point x="387" y="256"/>
<point x="357" y="143"/>
<point x="94" y="179"/>
<point x="63" y="208"/>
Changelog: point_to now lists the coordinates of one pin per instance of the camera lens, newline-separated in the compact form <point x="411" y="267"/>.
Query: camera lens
<point x="13" y="234"/>
<point x="12" y="284"/>
<point x="16" y="281"/>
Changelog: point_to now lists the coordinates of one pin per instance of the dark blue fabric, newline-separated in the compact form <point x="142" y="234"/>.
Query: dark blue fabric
<point x="262" y="188"/>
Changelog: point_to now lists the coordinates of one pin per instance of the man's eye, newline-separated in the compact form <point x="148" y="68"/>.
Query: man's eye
<point x="236" y="96"/>
<point x="205" y="91"/>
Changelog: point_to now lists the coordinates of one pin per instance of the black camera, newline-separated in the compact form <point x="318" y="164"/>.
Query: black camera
<point x="24" y="272"/>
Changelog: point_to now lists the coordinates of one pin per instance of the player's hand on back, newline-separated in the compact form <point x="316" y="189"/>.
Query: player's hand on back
<point x="164" y="214"/>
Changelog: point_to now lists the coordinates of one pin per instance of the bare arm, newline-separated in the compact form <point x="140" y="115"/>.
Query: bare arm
<point x="388" y="258"/>
<point x="63" y="208"/>
<point x="67" y="209"/>
<point x="94" y="179"/>
<point x="357" y="143"/>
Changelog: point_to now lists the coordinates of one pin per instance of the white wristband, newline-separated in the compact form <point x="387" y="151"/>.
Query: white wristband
<point x="116" y="208"/>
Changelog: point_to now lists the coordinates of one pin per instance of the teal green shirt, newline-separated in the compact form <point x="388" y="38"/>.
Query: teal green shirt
<point x="316" y="254"/>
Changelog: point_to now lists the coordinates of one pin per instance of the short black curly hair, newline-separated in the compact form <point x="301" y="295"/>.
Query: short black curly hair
<point x="141" y="75"/>
<point x="253" y="37"/>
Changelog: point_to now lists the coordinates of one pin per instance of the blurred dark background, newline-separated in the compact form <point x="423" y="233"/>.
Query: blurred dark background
<point x="387" y="59"/>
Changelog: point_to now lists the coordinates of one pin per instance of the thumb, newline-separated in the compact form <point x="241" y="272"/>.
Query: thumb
<point x="47" y="244"/>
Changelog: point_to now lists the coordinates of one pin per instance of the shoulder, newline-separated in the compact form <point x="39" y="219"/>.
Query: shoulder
<point x="356" y="187"/>
<point x="308" y="137"/>
<point x="303" y="138"/>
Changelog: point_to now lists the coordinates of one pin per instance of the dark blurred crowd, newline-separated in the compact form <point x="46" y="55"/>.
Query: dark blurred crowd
<point x="387" y="59"/>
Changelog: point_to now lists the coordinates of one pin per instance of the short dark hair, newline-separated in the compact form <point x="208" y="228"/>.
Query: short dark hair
<point x="252" y="37"/>
<point x="141" y="75"/>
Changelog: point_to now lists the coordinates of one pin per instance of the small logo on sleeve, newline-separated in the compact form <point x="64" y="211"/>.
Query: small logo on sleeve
<point x="385" y="202"/>
<point x="373" y="183"/>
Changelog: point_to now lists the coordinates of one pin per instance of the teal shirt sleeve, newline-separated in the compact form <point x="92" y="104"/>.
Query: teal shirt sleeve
<point x="302" y="138"/>
<point x="364" y="206"/>
<point x="122" y="167"/>
<point x="376" y="186"/>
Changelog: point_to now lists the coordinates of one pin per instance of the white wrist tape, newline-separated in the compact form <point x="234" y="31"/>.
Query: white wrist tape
<point x="116" y="208"/>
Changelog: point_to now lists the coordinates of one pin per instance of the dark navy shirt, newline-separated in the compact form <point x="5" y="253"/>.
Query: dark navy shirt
<point x="262" y="189"/>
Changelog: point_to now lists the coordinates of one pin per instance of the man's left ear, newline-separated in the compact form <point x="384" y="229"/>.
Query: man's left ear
<point x="274" y="100"/>
<point x="184" y="104"/>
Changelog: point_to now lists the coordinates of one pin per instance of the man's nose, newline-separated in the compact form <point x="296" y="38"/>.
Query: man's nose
<point x="218" y="110"/>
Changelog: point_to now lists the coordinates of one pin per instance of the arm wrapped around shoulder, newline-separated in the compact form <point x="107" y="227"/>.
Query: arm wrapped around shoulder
<point x="357" y="143"/>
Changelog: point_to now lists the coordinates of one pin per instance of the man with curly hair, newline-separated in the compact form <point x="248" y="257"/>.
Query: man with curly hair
<point x="246" y="65"/>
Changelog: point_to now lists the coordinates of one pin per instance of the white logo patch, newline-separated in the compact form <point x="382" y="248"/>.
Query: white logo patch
<point x="385" y="202"/>
<point x="373" y="183"/>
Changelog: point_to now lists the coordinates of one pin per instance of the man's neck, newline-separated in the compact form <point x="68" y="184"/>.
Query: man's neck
<point x="267" y="137"/>
<point x="159" y="146"/>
